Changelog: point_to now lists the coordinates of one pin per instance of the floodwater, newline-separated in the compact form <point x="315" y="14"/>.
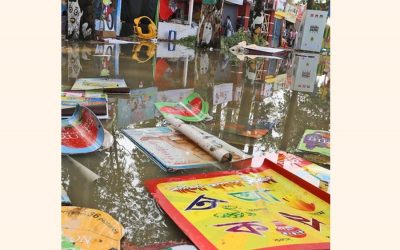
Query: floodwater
<point x="249" y="92"/>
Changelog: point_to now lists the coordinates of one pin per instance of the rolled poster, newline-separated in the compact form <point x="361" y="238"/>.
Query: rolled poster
<point x="205" y="141"/>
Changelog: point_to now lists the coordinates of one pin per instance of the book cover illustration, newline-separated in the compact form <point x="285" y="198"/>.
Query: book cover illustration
<point x="172" y="150"/>
<point x="98" y="83"/>
<point x="316" y="141"/>
<point x="139" y="107"/>
<point x="191" y="109"/>
<point x="246" y="209"/>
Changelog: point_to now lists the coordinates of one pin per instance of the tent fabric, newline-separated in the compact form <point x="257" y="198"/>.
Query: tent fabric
<point x="165" y="10"/>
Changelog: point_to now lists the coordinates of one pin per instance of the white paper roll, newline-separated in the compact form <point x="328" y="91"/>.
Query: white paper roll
<point x="206" y="142"/>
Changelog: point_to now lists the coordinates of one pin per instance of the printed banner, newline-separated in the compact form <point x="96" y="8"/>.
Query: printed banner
<point x="261" y="208"/>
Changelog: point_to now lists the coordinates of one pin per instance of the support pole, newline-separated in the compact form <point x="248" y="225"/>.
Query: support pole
<point x="190" y="12"/>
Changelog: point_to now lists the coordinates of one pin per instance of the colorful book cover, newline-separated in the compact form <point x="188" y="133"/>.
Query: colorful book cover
<point x="98" y="83"/>
<point x="191" y="109"/>
<point x="172" y="150"/>
<point x="316" y="141"/>
<point x="139" y="107"/>
<point x="81" y="133"/>
<point x="262" y="208"/>
<point x="308" y="171"/>
<point x="95" y="101"/>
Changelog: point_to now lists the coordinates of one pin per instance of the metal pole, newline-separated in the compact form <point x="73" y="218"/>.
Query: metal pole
<point x="190" y="12"/>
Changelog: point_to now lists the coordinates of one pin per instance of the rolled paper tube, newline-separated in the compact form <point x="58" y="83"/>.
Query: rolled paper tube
<point x="214" y="149"/>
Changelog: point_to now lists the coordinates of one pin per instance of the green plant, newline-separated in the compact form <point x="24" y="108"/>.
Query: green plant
<point x="237" y="37"/>
<point x="189" y="41"/>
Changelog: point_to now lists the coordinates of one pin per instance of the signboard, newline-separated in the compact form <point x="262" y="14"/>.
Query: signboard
<point x="263" y="208"/>
<point x="291" y="13"/>
<point x="311" y="31"/>
<point x="305" y="72"/>
<point x="222" y="93"/>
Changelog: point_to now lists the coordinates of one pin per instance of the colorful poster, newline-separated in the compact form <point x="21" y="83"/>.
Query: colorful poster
<point x="263" y="208"/>
<point x="290" y="13"/>
<point x="317" y="141"/>
<point x="191" y="109"/>
<point x="89" y="229"/>
<point x="81" y="133"/>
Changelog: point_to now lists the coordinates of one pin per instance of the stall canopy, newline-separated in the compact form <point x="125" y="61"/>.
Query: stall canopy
<point x="165" y="10"/>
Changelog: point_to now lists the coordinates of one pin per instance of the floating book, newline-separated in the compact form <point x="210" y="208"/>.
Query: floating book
<point x="107" y="84"/>
<point x="171" y="150"/>
<point x="316" y="141"/>
<point x="95" y="101"/>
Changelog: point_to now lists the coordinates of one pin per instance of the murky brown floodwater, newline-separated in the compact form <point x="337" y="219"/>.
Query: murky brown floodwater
<point x="124" y="168"/>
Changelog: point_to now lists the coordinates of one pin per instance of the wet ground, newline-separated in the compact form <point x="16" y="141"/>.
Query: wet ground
<point x="255" y="92"/>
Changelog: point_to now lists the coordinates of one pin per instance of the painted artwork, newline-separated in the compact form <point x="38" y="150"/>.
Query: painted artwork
<point x="263" y="208"/>
<point x="81" y="133"/>
<point x="80" y="19"/>
<point x="89" y="229"/>
<point x="106" y="15"/>
<point x="191" y="109"/>
<point x="317" y="141"/>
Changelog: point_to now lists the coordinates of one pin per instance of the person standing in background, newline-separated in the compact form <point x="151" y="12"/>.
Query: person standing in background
<point x="228" y="27"/>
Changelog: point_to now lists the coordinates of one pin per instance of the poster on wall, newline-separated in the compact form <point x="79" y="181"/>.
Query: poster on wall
<point x="254" y="208"/>
<point x="107" y="15"/>
<point x="80" y="19"/>
<point x="280" y="7"/>
<point x="291" y="13"/>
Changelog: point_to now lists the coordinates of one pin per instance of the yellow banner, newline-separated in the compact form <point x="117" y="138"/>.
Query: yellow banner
<point x="250" y="211"/>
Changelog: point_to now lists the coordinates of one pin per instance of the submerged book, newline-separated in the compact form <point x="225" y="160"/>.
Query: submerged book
<point x="171" y="150"/>
<point x="95" y="101"/>
<point x="98" y="83"/>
